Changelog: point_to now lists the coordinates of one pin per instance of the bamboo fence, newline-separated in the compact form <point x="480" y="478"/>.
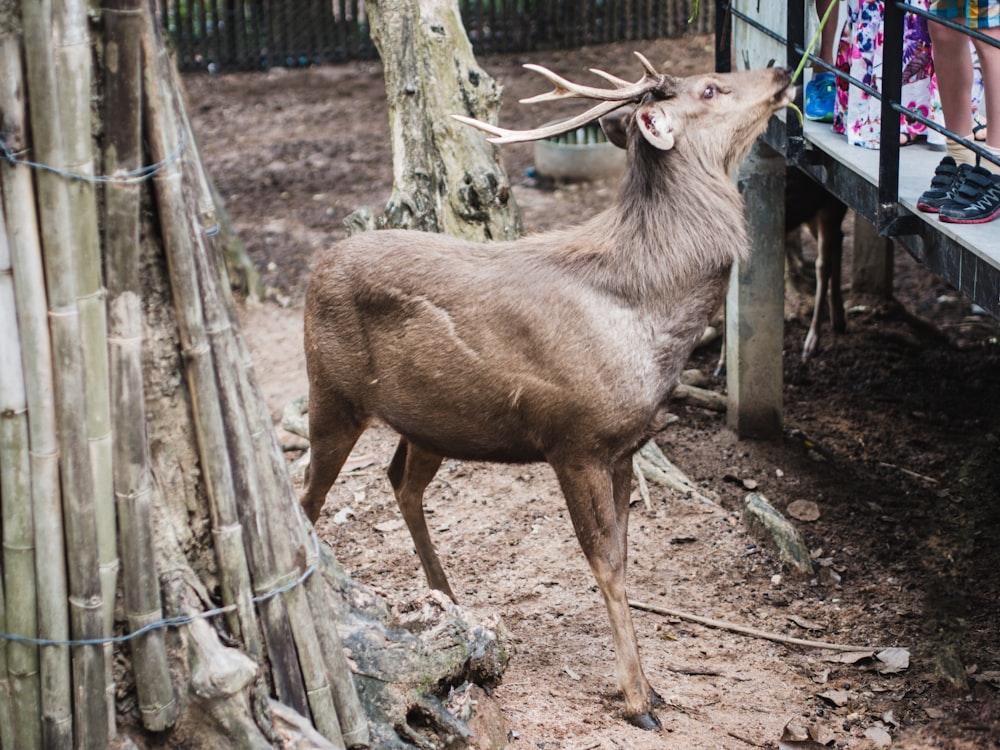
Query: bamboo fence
<point x="218" y="35"/>
<point x="76" y="494"/>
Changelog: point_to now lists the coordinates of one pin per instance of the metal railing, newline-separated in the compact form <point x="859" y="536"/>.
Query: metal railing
<point x="889" y="220"/>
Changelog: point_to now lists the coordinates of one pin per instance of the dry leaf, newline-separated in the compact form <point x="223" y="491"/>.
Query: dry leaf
<point x="803" y="510"/>
<point x="794" y="732"/>
<point x="806" y="624"/>
<point x="879" y="736"/>
<point x="341" y="516"/>
<point x="353" y="463"/>
<point x="387" y="526"/>
<point x="796" y="737"/>
<point x="893" y="660"/>
<point x="822" y="734"/>
<point x="850" y="657"/>
<point x="838" y="698"/>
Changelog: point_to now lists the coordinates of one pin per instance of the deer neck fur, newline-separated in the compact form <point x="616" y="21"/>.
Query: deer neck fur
<point x="677" y="223"/>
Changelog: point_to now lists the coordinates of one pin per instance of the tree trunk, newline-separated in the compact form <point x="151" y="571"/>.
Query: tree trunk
<point x="446" y="176"/>
<point x="132" y="428"/>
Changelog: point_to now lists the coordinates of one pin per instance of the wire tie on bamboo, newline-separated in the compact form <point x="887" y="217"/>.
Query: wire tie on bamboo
<point x="167" y="622"/>
<point x="192" y="352"/>
<point x="266" y="588"/>
<point x="123" y="178"/>
<point x="123" y="11"/>
<point x="92" y="604"/>
<point x="142" y="620"/>
<point x="100" y="295"/>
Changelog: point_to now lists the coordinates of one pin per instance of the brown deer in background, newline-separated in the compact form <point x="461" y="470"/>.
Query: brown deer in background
<point x="807" y="202"/>
<point x="561" y="347"/>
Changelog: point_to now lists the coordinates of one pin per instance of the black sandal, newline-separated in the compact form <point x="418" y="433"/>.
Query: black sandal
<point x="978" y="127"/>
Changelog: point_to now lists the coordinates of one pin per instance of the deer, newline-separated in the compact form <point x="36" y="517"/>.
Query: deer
<point x="560" y="347"/>
<point x="807" y="202"/>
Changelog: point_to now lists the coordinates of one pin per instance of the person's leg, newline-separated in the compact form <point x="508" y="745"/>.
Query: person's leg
<point x="953" y="67"/>
<point x="977" y="200"/>
<point x="828" y="36"/>
<point x="989" y="60"/>
<point x="820" y="95"/>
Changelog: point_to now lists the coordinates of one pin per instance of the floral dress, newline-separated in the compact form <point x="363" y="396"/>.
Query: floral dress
<point x="859" y="54"/>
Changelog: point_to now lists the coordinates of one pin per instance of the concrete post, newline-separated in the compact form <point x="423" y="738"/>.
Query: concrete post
<point x="755" y="304"/>
<point x="871" y="269"/>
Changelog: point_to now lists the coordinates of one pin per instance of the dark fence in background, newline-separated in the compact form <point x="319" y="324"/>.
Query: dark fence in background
<point x="223" y="35"/>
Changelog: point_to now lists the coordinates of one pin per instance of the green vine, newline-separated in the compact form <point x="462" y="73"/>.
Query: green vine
<point x="809" y="49"/>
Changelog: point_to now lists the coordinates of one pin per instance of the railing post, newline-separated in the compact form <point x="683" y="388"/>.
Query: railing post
<point x="891" y="90"/>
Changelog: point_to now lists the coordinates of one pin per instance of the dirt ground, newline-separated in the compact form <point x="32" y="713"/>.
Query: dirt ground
<point x="892" y="431"/>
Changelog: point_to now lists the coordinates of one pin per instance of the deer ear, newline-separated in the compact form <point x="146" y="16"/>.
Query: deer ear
<point x="656" y="125"/>
<point x="614" y="125"/>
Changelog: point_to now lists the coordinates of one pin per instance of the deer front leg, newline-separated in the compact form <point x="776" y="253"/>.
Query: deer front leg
<point x="600" y="521"/>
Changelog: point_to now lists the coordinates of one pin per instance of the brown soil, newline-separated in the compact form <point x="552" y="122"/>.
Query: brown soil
<point x="891" y="430"/>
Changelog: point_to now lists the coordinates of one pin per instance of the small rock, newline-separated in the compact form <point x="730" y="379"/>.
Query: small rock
<point x="387" y="526"/>
<point x="766" y="523"/>
<point x="343" y="515"/>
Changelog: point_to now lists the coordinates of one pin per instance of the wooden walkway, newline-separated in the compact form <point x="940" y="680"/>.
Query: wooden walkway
<point x="966" y="256"/>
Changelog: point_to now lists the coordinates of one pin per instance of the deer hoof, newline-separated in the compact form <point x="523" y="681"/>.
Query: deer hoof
<point x="647" y="721"/>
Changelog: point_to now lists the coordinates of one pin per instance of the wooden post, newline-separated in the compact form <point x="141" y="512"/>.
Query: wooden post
<point x="755" y="303"/>
<point x="871" y="269"/>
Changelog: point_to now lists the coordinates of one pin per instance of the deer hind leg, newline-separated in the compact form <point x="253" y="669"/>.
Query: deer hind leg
<point x="825" y="227"/>
<point x="333" y="431"/>
<point x="410" y="471"/>
<point x="597" y="498"/>
<point x="832" y="248"/>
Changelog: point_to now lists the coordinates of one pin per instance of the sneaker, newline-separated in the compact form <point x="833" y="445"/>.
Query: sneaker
<point x="977" y="201"/>
<point x="820" y="97"/>
<point x="948" y="178"/>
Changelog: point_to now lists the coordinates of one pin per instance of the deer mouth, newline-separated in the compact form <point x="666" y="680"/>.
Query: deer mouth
<point x="784" y="97"/>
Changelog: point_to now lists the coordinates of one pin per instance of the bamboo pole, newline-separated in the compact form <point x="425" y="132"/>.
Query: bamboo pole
<point x="90" y="714"/>
<point x="32" y="314"/>
<point x="283" y="505"/>
<point x="19" y="716"/>
<point x="74" y="61"/>
<point x="266" y="572"/>
<point x="132" y="484"/>
<point x="6" y="714"/>
<point x="163" y="135"/>
<point x="293" y="646"/>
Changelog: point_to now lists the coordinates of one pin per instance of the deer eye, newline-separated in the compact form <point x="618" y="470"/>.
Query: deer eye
<point x="709" y="92"/>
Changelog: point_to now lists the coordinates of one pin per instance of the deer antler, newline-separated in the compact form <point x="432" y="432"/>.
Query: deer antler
<point x="610" y="100"/>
